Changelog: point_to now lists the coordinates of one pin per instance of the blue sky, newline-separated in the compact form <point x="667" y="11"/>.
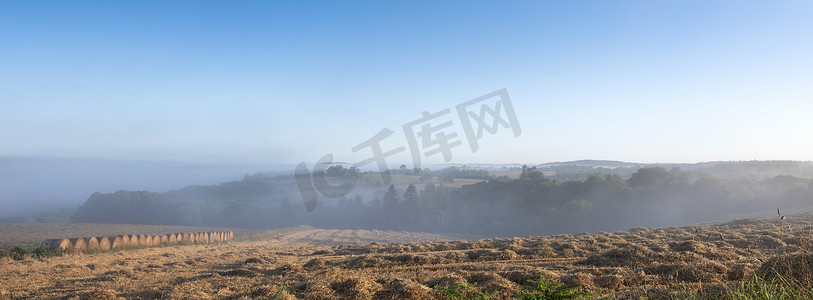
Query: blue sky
<point x="284" y="82"/>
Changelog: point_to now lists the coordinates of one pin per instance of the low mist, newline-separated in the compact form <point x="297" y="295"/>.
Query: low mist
<point x="31" y="186"/>
<point x="494" y="201"/>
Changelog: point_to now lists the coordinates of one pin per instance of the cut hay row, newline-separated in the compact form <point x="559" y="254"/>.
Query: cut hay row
<point x="105" y="243"/>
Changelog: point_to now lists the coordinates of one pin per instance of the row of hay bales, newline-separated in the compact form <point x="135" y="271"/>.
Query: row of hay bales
<point x="104" y="243"/>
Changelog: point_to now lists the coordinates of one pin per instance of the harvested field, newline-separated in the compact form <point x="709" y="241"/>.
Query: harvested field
<point x="363" y="264"/>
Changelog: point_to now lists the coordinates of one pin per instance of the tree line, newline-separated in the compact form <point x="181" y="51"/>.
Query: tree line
<point x="530" y="205"/>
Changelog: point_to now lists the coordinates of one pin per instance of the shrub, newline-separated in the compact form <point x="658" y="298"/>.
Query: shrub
<point x="19" y="253"/>
<point x="45" y="251"/>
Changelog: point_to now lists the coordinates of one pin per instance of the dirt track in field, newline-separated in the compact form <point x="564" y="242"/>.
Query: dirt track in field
<point x="363" y="264"/>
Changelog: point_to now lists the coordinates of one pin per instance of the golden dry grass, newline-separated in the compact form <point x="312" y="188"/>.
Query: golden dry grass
<point x="364" y="264"/>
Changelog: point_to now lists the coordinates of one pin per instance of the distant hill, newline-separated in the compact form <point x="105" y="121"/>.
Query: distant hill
<point x="581" y="169"/>
<point x="611" y="164"/>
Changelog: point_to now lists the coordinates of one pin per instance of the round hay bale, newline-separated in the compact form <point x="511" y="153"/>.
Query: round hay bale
<point x="104" y="243"/>
<point x="231" y="235"/>
<point x="211" y="235"/>
<point x="187" y="238"/>
<point x="135" y="240"/>
<point x="164" y="239"/>
<point x="145" y="240"/>
<point x="156" y="240"/>
<point x="173" y="238"/>
<point x="92" y="244"/>
<point x="116" y="242"/>
<point x="199" y="237"/>
<point x="78" y="245"/>
<point x="125" y="240"/>
<point x="204" y="237"/>
<point x="61" y="244"/>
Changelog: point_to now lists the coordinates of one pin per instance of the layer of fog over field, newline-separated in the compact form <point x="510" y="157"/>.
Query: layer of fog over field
<point x="521" y="118"/>
<point x="475" y="200"/>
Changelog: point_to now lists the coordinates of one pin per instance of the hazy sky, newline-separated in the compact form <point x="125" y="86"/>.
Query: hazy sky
<point x="283" y="82"/>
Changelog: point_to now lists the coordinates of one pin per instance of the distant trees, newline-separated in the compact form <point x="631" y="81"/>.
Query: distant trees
<point x="649" y="178"/>
<point x="530" y="174"/>
<point x="341" y="171"/>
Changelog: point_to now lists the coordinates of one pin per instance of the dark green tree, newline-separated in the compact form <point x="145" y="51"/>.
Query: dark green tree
<point x="531" y="174"/>
<point x="650" y="178"/>
<point x="411" y="201"/>
<point x="390" y="205"/>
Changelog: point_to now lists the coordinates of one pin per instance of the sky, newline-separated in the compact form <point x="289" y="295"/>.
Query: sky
<point x="263" y="82"/>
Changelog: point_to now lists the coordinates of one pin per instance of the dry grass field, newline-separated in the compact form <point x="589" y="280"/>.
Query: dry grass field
<point x="361" y="264"/>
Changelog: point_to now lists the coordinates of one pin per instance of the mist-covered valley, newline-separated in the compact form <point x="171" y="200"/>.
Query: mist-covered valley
<point x="481" y="200"/>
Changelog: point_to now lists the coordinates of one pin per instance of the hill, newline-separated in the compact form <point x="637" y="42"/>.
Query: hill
<point x="581" y="169"/>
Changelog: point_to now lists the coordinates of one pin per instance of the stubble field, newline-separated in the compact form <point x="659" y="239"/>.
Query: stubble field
<point x="362" y="264"/>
